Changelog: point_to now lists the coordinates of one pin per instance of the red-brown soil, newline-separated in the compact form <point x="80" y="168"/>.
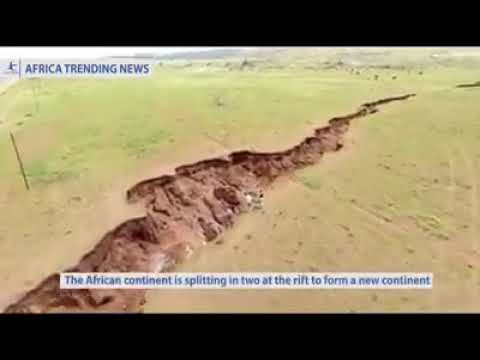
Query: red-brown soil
<point x="183" y="211"/>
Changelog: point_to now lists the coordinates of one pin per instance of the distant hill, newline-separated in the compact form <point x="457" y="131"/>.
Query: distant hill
<point x="331" y="57"/>
<point x="204" y="54"/>
<point x="392" y="58"/>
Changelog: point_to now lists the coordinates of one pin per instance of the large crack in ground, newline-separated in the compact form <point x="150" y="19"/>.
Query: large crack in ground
<point x="474" y="84"/>
<point x="183" y="211"/>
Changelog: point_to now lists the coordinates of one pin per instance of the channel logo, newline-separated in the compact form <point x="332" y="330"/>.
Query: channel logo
<point x="11" y="68"/>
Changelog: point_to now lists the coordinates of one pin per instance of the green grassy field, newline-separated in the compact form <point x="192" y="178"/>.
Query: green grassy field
<point x="403" y="196"/>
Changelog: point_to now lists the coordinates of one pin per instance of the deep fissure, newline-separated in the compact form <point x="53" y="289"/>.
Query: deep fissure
<point x="183" y="211"/>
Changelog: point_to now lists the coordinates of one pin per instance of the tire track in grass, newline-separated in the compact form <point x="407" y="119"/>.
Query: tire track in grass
<point x="474" y="212"/>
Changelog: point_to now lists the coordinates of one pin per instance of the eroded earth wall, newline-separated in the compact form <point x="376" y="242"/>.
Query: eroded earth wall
<point x="183" y="211"/>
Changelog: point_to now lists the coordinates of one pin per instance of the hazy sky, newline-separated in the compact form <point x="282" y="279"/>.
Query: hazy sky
<point x="89" y="52"/>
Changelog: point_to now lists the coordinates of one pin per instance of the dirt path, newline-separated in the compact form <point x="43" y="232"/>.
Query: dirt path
<point x="183" y="211"/>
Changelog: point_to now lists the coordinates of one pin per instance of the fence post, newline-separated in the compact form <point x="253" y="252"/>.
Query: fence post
<point x="20" y="163"/>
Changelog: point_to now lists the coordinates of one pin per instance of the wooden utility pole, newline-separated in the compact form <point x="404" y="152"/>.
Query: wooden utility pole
<point x="20" y="163"/>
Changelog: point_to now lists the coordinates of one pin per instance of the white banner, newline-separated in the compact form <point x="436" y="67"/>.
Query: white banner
<point x="73" y="68"/>
<point x="246" y="281"/>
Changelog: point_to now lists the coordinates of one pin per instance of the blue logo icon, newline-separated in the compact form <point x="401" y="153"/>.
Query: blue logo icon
<point x="12" y="68"/>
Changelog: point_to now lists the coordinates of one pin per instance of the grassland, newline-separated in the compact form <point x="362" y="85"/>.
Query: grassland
<point x="403" y="196"/>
